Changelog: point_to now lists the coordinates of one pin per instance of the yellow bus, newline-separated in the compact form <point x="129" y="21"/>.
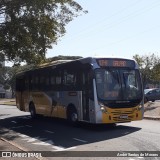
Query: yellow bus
<point x="92" y="90"/>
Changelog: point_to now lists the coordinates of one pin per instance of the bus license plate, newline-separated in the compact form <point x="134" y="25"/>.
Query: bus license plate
<point x="123" y="116"/>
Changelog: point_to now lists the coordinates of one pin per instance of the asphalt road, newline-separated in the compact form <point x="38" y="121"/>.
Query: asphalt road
<point x="48" y="134"/>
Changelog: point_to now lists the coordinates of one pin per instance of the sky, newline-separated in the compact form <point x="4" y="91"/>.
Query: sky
<point x="112" y="28"/>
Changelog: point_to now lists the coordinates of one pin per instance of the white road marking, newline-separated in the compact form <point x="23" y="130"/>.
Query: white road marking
<point x="17" y="127"/>
<point x="23" y="135"/>
<point x="50" y="142"/>
<point x="24" y="117"/>
<point x="28" y="126"/>
<point x="13" y="121"/>
<point x="30" y="139"/>
<point x="48" y="131"/>
<point x="80" y="140"/>
<point x="60" y="148"/>
<point x="46" y="143"/>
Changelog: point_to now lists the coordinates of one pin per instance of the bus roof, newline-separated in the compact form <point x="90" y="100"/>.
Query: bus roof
<point x="87" y="60"/>
<point x="53" y="63"/>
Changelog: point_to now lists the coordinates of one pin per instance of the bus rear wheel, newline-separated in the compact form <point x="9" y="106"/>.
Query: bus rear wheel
<point x="72" y="116"/>
<point x="32" y="110"/>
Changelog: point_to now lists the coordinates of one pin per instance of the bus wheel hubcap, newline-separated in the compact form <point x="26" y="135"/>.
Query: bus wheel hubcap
<point x="74" y="117"/>
<point x="31" y="112"/>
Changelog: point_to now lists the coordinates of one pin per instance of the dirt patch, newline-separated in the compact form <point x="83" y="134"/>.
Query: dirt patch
<point x="8" y="102"/>
<point x="152" y="108"/>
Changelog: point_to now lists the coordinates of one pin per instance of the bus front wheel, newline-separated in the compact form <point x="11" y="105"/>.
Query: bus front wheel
<point x="32" y="110"/>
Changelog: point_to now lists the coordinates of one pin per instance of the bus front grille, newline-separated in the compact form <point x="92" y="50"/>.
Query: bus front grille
<point x="122" y="116"/>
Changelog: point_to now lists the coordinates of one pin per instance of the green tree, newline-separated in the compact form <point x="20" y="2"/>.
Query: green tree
<point x="61" y="57"/>
<point x="149" y="66"/>
<point x="12" y="78"/>
<point x="29" y="27"/>
<point x="4" y="76"/>
<point x="156" y="73"/>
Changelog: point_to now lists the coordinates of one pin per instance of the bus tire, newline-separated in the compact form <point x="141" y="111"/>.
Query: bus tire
<point x="112" y="125"/>
<point x="32" y="111"/>
<point x="72" y="115"/>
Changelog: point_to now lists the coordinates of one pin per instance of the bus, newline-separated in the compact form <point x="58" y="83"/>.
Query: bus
<point x="92" y="90"/>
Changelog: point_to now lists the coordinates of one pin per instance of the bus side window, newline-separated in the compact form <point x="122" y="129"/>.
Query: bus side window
<point x="69" y="78"/>
<point x="58" y="79"/>
<point x="31" y="85"/>
<point x="41" y="82"/>
<point x="20" y="84"/>
<point x="26" y="83"/>
<point x="36" y="82"/>
<point x="52" y="79"/>
<point x="47" y="82"/>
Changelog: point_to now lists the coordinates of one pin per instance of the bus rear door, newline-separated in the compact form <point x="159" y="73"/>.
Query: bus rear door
<point x="20" y="83"/>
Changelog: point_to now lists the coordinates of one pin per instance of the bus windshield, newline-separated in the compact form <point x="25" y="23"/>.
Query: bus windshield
<point x="118" y="84"/>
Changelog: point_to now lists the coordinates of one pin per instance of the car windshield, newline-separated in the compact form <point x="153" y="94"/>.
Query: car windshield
<point x="118" y="84"/>
<point x="147" y="90"/>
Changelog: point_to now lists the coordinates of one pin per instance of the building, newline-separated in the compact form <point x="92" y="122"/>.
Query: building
<point x="2" y="92"/>
<point x="2" y="64"/>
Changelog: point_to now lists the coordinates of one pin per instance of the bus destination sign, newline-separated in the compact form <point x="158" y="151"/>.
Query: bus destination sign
<point x="115" y="63"/>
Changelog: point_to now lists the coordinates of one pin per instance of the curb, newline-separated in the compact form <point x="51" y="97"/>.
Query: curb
<point x="7" y="104"/>
<point x="20" y="148"/>
<point x="151" y="117"/>
<point x="14" y="144"/>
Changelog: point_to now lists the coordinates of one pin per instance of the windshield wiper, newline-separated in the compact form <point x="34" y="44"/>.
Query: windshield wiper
<point x="122" y="101"/>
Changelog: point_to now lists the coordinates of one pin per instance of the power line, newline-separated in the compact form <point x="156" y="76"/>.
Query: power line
<point x="91" y="27"/>
<point x="127" y="38"/>
<point x="123" y="19"/>
<point x="108" y="17"/>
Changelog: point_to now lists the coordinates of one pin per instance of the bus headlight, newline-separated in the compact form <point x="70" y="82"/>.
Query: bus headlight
<point x="103" y="108"/>
<point x="140" y="107"/>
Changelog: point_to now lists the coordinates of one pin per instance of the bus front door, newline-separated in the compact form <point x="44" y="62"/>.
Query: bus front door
<point x="85" y="96"/>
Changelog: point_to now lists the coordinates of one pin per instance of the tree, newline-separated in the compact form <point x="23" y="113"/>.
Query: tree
<point x="150" y="68"/>
<point x="60" y="57"/>
<point x="4" y="72"/>
<point x="29" y="27"/>
<point x="156" y="73"/>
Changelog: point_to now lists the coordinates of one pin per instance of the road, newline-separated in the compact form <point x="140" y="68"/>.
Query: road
<point x="48" y="134"/>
